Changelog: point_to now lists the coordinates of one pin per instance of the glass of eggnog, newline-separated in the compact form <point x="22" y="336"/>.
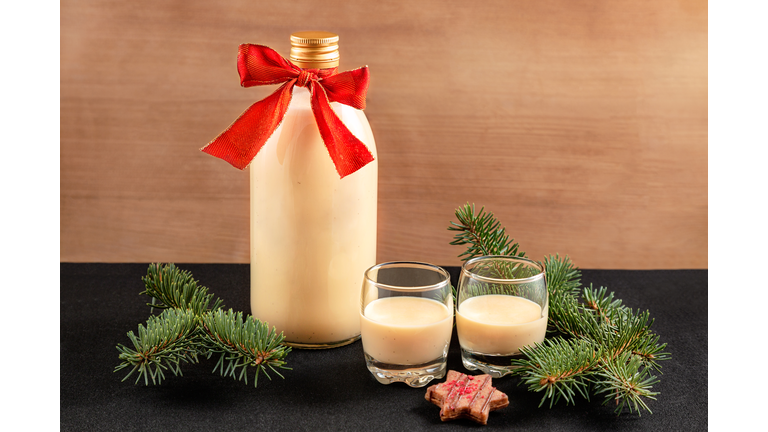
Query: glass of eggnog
<point x="406" y="320"/>
<point x="502" y="305"/>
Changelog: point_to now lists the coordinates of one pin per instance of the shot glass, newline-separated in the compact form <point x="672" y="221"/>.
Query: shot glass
<point x="406" y="320"/>
<point x="502" y="306"/>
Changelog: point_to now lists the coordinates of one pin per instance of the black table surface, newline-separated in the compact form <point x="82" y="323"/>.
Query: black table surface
<point x="332" y="389"/>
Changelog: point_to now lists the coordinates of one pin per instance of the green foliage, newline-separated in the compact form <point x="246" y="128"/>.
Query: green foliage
<point x="176" y="288"/>
<point x="166" y="342"/>
<point x="625" y="381"/>
<point x="242" y="343"/>
<point x="559" y="367"/>
<point x="483" y="233"/>
<point x="188" y="328"/>
<point x="597" y="346"/>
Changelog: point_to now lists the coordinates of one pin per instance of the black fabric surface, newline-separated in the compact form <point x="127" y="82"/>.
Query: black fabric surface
<point x="332" y="389"/>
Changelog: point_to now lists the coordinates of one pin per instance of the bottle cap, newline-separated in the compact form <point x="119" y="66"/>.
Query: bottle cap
<point x="315" y="49"/>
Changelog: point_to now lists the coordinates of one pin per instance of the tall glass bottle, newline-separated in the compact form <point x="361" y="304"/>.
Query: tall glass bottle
<point x="313" y="235"/>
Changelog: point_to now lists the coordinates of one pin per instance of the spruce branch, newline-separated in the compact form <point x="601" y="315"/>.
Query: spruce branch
<point x="166" y="342"/>
<point x="558" y="367"/>
<point x="188" y="328"/>
<point x="483" y="233"/>
<point x="562" y="276"/>
<point x="563" y="282"/>
<point x="598" y="345"/>
<point x="625" y="382"/>
<point x="176" y="288"/>
<point x="602" y="303"/>
<point x="242" y="343"/>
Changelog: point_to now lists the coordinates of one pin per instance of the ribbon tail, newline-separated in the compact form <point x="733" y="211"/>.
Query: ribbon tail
<point x="245" y="137"/>
<point x="348" y="153"/>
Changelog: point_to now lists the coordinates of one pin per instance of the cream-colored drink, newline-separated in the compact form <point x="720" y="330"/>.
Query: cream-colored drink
<point x="499" y="324"/>
<point x="406" y="330"/>
<point x="313" y="235"/>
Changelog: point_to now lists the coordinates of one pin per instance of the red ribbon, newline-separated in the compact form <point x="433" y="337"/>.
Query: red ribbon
<point x="261" y="65"/>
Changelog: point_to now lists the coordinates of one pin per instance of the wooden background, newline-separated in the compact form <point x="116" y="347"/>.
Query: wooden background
<point x="582" y="124"/>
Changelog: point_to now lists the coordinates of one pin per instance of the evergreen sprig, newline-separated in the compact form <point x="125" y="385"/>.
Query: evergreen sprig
<point x="242" y="343"/>
<point x="176" y="288"/>
<point x="598" y="345"/>
<point x="166" y="342"/>
<point x="483" y="233"/>
<point x="188" y="328"/>
<point x="625" y="381"/>
<point x="560" y="368"/>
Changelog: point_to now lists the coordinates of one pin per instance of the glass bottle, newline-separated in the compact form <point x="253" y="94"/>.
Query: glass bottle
<point x="313" y="234"/>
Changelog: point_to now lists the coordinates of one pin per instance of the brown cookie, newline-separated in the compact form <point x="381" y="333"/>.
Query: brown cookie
<point x="464" y="396"/>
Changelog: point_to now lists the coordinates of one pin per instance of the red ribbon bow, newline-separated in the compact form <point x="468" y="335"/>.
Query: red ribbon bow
<point x="260" y="65"/>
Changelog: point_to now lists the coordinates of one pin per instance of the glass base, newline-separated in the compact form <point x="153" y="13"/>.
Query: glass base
<point x="494" y="365"/>
<point x="413" y="375"/>
<point x="322" y="345"/>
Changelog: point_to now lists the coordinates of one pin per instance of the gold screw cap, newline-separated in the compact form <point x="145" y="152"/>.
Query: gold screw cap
<point x="315" y="49"/>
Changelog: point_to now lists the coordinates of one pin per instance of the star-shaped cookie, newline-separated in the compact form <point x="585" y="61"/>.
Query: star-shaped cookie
<point x="464" y="396"/>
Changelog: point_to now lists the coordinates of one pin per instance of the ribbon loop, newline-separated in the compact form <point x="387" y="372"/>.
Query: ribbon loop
<point x="260" y="65"/>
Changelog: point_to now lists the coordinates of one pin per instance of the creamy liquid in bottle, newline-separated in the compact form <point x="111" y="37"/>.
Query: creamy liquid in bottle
<point x="313" y="235"/>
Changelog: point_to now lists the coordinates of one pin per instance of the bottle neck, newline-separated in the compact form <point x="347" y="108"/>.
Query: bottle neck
<point x="322" y="73"/>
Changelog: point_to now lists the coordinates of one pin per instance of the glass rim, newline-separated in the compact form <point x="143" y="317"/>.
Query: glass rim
<point x="426" y="266"/>
<point x="476" y="276"/>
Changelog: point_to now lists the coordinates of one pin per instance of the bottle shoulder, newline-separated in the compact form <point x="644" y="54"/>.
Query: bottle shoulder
<point x="300" y="112"/>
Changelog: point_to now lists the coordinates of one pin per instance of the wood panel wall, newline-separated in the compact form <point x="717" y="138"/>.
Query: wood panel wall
<point x="582" y="124"/>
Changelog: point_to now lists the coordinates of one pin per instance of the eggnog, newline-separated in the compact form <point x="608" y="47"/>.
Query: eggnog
<point x="406" y="330"/>
<point x="499" y="324"/>
<point x="313" y="235"/>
